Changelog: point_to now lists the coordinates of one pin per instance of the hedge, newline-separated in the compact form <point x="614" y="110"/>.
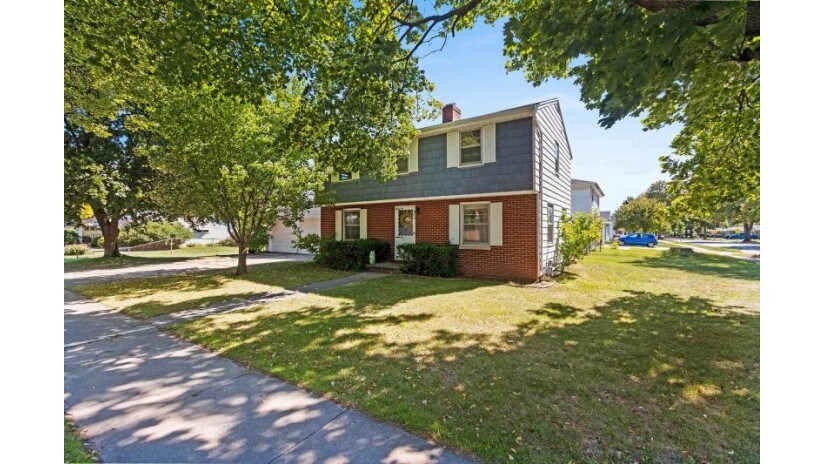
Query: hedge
<point x="429" y="259"/>
<point x="351" y="255"/>
<point x="75" y="250"/>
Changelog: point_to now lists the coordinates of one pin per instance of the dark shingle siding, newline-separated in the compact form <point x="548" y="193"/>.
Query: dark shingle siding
<point x="511" y="172"/>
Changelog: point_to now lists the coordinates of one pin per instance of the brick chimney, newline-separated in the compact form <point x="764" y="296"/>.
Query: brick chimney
<point x="450" y="113"/>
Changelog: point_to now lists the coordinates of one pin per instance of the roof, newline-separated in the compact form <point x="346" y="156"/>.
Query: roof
<point x="578" y="184"/>
<point x="509" y="114"/>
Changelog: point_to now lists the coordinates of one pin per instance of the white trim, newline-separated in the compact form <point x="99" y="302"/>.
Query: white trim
<point x="412" y="159"/>
<point x="475" y="245"/>
<point x="344" y="223"/>
<point x="468" y="246"/>
<point x="445" y="197"/>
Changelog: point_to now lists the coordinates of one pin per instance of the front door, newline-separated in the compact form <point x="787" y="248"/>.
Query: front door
<point x="404" y="227"/>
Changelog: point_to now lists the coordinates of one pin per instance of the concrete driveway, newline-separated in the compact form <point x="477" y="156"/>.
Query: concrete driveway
<point x="176" y="267"/>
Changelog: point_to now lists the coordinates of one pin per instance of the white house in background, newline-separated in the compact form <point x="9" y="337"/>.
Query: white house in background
<point x="208" y="233"/>
<point x="281" y="236"/>
<point x="609" y="220"/>
<point x="586" y="195"/>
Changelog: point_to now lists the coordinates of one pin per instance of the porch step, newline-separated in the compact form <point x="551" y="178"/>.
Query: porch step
<point x="387" y="267"/>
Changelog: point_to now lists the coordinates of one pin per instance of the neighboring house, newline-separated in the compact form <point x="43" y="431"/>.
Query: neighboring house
<point x="208" y="233"/>
<point x="586" y="195"/>
<point x="90" y="228"/>
<point x="496" y="185"/>
<point x="609" y="220"/>
<point x="281" y="237"/>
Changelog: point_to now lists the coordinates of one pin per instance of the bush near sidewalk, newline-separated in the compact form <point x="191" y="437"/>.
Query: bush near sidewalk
<point x="75" y="250"/>
<point x="351" y="255"/>
<point x="429" y="259"/>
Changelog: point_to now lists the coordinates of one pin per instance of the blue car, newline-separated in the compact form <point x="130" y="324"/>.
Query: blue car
<point x="648" y="240"/>
<point x="741" y="236"/>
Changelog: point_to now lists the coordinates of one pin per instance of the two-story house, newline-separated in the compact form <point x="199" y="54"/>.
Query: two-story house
<point x="495" y="185"/>
<point x="586" y="195"/>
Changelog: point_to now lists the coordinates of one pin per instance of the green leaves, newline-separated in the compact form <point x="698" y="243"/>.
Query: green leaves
<point x="642" y="214"/>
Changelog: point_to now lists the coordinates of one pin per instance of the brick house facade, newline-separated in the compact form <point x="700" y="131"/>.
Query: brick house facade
<point x="515" y="259"/>
<point x="495" y="185"/>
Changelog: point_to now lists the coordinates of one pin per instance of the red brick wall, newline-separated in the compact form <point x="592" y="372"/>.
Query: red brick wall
<point x="516" y="259"/>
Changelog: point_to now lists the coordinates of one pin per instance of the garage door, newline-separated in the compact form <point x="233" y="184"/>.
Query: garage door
<point x="281" y="237"/>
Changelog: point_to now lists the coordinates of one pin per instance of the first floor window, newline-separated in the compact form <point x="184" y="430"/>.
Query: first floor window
<point x="345" y="176"/>
<point x="475" y="227"/>
<point x="471" y="147"/>
<point x="352" y="225"/>
<point x="551" y="217"/>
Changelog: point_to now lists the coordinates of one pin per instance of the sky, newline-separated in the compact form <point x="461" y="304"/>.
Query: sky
<point x="470" y="72"/>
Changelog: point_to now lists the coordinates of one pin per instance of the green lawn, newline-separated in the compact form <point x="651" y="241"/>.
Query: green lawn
<point x="94" y="259"/>
<point x="74" y="450"/>
<point x="634" y="356"/>
<point x="149" y="297"/>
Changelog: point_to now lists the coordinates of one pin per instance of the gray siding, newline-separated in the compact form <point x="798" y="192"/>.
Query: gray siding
<point x="554" y="188"/>
<point x="585" y="200"/>
<point x="511" y="172"/>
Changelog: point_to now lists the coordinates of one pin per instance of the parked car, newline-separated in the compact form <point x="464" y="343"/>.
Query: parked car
<point x="648" y="240"/>
<point x="740" y="236"/>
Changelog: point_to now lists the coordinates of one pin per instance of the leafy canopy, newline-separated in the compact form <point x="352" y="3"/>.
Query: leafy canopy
<point x="243" y="164"/>
<point x="642" y="214"/>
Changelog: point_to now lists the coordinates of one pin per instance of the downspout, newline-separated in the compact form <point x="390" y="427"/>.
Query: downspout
<point x="540" y="198"/>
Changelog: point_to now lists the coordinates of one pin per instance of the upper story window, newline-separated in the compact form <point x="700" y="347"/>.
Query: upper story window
<point x="352" y="224"/>
<point x="345" y="176"/>
<point x="402" y="165"/>
<point x="470" y="147"/>
<point x="558" y="156"/>
<point x="475" y="224"/>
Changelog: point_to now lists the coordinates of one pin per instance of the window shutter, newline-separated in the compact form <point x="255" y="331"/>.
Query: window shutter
<point x="453" y="149"/>
<point x="363" y="223"/>
<point x="339" y="224"/>
<point x="455" y="224"/>
<point x="412" y="162"/>
<point x="355" y="175"/>
<point x="496" y="225"/>
<point x="488" y="144"/>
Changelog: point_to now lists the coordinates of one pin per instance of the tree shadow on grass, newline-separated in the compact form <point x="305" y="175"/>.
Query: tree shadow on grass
<point x="649" y="376"/>
<point x="717" y="266"/>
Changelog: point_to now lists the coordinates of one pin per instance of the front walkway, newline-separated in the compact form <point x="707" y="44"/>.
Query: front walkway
<point x="141" y="395"/>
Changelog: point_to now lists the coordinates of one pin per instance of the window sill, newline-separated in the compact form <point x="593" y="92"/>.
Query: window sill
<point x="474" y="165"/>
<point x="473" y="247"/>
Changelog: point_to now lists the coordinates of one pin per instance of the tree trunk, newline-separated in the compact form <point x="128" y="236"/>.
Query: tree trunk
<point x="243" y="250"/>
<point x="748" y="228"/>
<point x="111" y="231"/>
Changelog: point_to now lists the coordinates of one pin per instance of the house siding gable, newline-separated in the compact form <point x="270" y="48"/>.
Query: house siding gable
<point x="511" y="171"/>
<point x="553" y="189"/>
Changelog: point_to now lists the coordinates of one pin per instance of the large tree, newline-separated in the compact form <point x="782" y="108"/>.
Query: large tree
<point x="688" y="62"/>
<point x="243" y="164"/>
<point x="107" y="174"/>
<point x="360" y="94"/>
<point x="642" y="214"/>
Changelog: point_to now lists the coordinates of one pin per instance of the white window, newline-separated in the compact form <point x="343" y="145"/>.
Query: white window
<point x="402" y="165"/>
<point x="352" y="224"/>
<point x="475" y="224"/>
<point x="470" y="147"/>
<point x="344" y="176"/>
<point x="558" y="155"/>
<point x="551" y="217"/>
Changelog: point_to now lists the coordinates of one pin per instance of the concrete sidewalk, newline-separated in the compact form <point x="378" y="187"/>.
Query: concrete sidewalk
<point x="143" y="396"/>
